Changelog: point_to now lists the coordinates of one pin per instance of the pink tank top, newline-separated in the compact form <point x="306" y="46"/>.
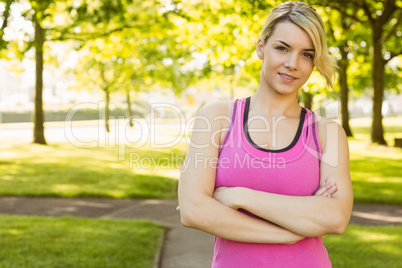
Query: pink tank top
<point x="294" y="170"/>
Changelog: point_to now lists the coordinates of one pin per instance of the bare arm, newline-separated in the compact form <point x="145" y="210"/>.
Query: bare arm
<point x="305" y="215"/>
<point x="198" y="208"/>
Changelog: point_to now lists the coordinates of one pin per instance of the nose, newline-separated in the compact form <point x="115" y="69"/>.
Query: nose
<point x="292" y="61"/>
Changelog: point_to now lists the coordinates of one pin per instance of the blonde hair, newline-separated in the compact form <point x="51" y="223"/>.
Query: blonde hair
<point x="308" y="19"/>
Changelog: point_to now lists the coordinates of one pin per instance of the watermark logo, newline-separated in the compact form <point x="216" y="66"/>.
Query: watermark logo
<point x="141" y="162"/>
<point x="149" y="133"/>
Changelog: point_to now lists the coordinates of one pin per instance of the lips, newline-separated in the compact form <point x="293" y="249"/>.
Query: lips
<point x="287" y="76"/>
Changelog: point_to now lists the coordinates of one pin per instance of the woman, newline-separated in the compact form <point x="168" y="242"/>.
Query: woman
<point x="273" y="178"/>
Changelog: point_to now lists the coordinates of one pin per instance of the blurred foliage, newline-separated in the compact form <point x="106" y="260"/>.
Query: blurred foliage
<point x="383" y="21"/>
<point x="176" y="44"/>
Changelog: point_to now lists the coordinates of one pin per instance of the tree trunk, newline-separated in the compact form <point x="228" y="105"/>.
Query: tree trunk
<point x="307" y="99"/>
<point x="377" y="130"/>
<point x="344" y="91"/>
<point x="6" y="14"/>
<point x="129" y="111"/>
<point x="38" y="135"/>
<point x="107" y="99"/>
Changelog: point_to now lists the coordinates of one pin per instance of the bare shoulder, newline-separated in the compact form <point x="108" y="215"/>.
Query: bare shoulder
<point x="330" y="131"/>
<point x="216" y="108"/>
<point x="214" y="118"/>
<point x="216" y="112"/>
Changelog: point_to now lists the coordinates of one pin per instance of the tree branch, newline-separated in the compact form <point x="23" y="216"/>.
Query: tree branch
<point x="342" y="9"/>
<point x="331" y="31"/>
<point x="341" y="6"/>
<point x="6" y="14"/>
<point x="390" y="7"/>
<point x="393" y="55"/>
<point x="367" y="11"/>
<point x="393" y="30"/>
<point x="90" y="36"/>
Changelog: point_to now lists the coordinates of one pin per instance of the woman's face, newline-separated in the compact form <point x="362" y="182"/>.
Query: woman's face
<point x="288" y="58"/>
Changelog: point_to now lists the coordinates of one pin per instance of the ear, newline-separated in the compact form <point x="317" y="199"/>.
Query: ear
<point x="260" y="49"/>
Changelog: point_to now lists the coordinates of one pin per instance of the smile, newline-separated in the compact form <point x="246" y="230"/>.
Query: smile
<point x="287" y="76"/>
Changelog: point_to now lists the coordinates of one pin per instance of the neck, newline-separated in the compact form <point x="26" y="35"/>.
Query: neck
<point x="271" y="103"/>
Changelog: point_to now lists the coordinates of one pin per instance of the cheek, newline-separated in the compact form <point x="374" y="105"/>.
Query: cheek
<point x="272" y="62"/>
<point x="308" y="68"/>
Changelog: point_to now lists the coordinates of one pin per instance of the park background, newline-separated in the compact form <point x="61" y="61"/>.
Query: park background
<point x="97" y="98"/>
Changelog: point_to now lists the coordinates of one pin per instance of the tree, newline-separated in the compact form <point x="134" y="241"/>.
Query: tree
<point x="226" y="33"/>
<point x="385" y="20"/>
<point x="60" y="21"/>
<point x="346" y="35"/>
<point x="89" y="20"/>
<point x="37" y="18"/>
<point x="36" y="15"/>
<point x="380" y="35"/>
<point x="137" y="58"/>
<point x="101" y="69"/>
<point x="4" y="19"/>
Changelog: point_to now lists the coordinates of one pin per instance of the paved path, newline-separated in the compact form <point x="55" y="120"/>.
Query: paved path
<point x="183" y="247"/>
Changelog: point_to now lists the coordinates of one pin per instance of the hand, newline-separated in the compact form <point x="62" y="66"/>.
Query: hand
<point x="295" y="238"/>
<point x="326" y="189"/>
<point x="227" y="196"/>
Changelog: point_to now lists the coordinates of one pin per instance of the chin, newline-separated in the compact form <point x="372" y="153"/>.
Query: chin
<point x="287" y="91"/>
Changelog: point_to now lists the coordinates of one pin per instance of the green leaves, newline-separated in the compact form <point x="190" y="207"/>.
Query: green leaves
<point x="5" y="8"/>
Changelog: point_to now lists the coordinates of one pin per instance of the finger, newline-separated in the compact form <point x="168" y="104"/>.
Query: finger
<point x="333" y="189"/>
<point x="220" y="189"/>
<point x="328" y="188"/>
<point x="330" y="191"/>
<point x="320" y="189"/>
<point x="323" y="188"/>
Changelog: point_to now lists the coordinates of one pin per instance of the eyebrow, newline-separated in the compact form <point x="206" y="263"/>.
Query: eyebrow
<point x="286" y="44"/>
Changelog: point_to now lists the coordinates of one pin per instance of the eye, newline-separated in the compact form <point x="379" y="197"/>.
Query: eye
<point x="281" y="48"/>
<point x="308" y="55"/>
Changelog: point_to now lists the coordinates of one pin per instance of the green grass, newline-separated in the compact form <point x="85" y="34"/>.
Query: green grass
<point x="368" y="247"/>
<point x="67" y="171"/>
<point x="376" y="178"/>
<point x="72" y="242"/>
<point x="361" y="128"/>
<point x="376" y="170"/>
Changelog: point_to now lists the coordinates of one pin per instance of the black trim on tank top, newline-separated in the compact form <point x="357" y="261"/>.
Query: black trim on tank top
<point x="232" y="122"/>
<point x="290" y="146"/>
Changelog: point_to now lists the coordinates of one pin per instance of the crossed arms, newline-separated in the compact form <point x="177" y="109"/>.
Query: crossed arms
<point x="285" y="219"/>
